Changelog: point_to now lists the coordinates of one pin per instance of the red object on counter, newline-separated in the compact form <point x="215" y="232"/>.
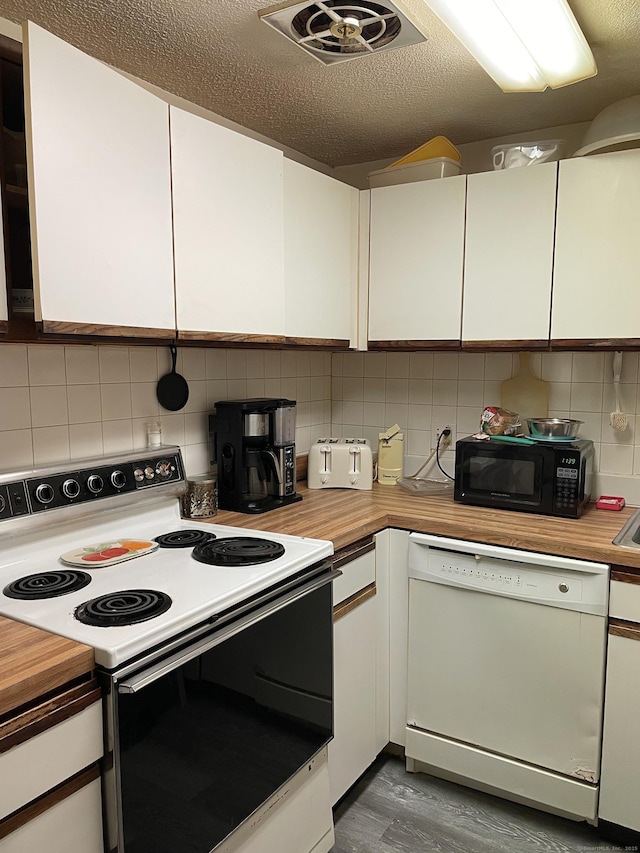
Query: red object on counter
<point x="609" y="502"/>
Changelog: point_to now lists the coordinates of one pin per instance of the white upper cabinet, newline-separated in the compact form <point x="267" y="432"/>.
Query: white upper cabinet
<point x="100" y="195"/>
<point x="321" y="255"/>
<point x="597" y="258"/>
<point x="416" y="261"/>
<point x="509" y="254"/>
<point x="228" y="232"/>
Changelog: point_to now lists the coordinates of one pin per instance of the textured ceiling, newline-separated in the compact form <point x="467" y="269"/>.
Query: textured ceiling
<point x="218" y="54"/>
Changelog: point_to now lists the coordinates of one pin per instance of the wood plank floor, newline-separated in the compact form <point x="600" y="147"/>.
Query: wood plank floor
<point x="392" y="811"/>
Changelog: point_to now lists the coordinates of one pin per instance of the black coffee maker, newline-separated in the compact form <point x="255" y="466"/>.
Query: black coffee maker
<point x="254" y="447"/>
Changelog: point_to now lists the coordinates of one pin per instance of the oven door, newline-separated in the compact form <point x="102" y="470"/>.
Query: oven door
<point x="504" y="475"/>
<point x="204" y="736"/>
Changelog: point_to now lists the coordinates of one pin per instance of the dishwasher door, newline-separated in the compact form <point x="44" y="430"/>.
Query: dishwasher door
<point x="502" y="658"/>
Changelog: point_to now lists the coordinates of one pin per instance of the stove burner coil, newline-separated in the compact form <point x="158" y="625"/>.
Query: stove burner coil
<point x="183" y="538"/>
<point x="238" y="551"/>
<point x="126" y="607"/>
<point x="47" y="584"/>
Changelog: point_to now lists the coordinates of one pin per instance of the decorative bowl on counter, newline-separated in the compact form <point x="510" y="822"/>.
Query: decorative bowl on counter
<point x="553" y="427"/>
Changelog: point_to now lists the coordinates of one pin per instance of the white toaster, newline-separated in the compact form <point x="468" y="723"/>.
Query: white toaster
<point x="340" y="463"/>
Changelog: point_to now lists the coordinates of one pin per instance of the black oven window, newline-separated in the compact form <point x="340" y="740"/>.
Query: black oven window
<point x="204" y="746"/>
<point x="505" y="476"/>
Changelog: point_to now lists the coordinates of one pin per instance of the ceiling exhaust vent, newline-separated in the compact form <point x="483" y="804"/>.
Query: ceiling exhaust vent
<point x="334" y="30"/>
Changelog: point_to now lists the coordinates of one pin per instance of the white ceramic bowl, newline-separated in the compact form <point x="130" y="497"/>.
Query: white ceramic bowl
<point x="616" y="126"/>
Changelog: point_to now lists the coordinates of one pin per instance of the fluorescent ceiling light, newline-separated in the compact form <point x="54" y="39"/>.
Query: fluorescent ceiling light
<point x="524" y="46"/>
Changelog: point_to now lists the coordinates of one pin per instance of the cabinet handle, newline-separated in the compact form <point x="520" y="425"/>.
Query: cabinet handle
<point x="354" y="601"/>
<point x="628" y="630"/>
<point x="35" y="720"/>
<point x="352" y="552"/>
<point x="625" y="577"/>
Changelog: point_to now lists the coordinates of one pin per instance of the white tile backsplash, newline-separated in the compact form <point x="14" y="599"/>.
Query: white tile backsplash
<point x="68" y="402"/>
<point x="83" y="367"/>
<point x="453" y="388"/>
<point x="47" y="365"/>
<point x="14" y="366"/>
<point x="49" y="405"/>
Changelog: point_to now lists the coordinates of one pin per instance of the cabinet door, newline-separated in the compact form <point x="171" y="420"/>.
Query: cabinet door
<point x="228" y="231"/>
<point x="353" y="747"/>
<point x="620" y="773"/>
<point x="509" y="255"/>
<point x="416" y="259"/>
<point x="595" y="286"/>
<point x="321" y="256"/>
<point x="100" y="195"/>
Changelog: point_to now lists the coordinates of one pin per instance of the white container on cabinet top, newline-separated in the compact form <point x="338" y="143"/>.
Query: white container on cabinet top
<point x="228" y="230"/>
<point x="99" y="193"/>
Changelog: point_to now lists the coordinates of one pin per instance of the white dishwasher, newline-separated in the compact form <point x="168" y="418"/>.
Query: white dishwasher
<point x="506" y="657"/>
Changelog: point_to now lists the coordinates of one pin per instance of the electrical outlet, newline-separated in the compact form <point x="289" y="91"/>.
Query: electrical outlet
<point x="444" y="443"/>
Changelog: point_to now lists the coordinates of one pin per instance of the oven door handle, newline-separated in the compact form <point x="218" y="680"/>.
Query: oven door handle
<point x="153" y="673"/>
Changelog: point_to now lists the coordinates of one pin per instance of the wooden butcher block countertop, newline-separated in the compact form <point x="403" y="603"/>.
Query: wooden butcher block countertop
<point x="345" y="515"/>
<point x="34" y="662"/>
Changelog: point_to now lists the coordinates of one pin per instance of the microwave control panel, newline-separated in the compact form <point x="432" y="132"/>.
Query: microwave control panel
<point x="567" y="471"/>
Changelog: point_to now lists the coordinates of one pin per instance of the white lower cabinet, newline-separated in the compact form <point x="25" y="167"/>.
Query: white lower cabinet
<point x="398" y="628"/>
<point x="620" y="771"/>
<point x="73" y="825"/>
<point x="53" y="800"/>
<point x="354" y="745"/>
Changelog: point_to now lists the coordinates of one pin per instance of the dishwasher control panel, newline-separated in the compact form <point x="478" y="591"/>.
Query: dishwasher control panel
<point x="542" y="579"/>
<point x="483" y="573"/>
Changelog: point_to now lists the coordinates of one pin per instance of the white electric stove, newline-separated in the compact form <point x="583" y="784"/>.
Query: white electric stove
<point x="214" y="651"/>
<point x="197" y="591"/>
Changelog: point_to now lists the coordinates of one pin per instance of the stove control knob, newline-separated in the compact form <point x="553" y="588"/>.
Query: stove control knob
<point x="71" y="488"/>
<point x="95" y="483"/>
<point x="164" y="468"/>
<point x="44" y="493"/>
<point x="3" y="503"/>
<point x="149" y="472"/>
<point x="118" y="479"/>
<point x="138" y="475"/>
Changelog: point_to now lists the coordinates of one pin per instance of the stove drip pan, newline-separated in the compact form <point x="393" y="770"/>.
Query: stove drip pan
<point x="183" y="538"/>
<point x="125" y="607"/>
<point x="238" y="551"/>
<point x="47" y="584"/>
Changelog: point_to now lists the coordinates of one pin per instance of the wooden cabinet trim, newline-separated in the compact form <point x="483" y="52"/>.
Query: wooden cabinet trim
<point x="624" y="575"/>
<point x="354" y="601"/>
<point x="318" y="343"/>
<point x="4" y="327"/>
<point x="230" y="337"/>
<point x="628" y="630"/>
<point x="486" y="346"/>
<point x="48" y="800"/>
<point x="415" y="345"/>
<point x="352" y="552"/>
<point x="595" y="343"/>
<point x="38" y="719"/>
<point x="60" y="327"/>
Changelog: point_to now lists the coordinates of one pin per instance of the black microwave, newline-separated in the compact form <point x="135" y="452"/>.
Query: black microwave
<point x="548" y="477"/>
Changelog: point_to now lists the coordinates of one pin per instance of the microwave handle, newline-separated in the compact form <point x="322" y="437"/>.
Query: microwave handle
<point x="164" y="667"/>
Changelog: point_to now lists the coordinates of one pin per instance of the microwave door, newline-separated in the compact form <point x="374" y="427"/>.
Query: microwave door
<point x="506" y="477"/>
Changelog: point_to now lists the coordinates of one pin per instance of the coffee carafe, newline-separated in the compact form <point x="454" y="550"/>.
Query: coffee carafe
<point x="254" y="447"/>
